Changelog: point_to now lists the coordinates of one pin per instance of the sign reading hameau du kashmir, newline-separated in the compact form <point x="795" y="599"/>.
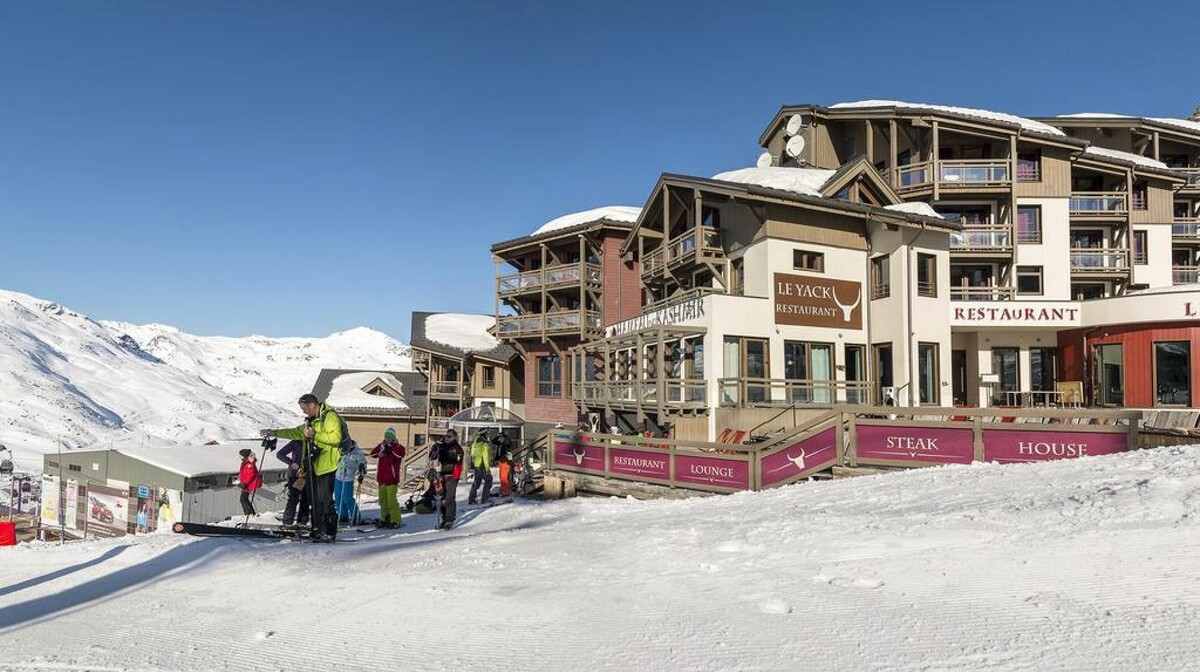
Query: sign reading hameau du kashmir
<point x="689" y="309"/>
<point x="807" y="301"/>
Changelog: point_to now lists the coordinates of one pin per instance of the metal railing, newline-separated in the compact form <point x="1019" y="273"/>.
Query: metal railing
<point x="1186" y="228"/>
<point x="1185" y="275"/>
<point x="973" y="172"/>
<point x="880" y="290"/>
<point x="677" y="392"/>
<point x="982" y="293"/>
<point x="1193" y="176"/>
<point x="743" y="392"/>
<point x="1099" y="259"/>
<point x="549" y="277"/>
<point x="1098" y="203"/>
<point x="982" y="239"/>
<point x="551" y="322"/>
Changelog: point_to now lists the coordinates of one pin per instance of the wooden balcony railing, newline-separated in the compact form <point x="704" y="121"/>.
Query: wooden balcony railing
<point x="556" y="322"/>
<point x="964" y="173"/>
<point x="444" y="388"/>
<point x="743" y="392"/>
<point x="982" y="293"/>
<point x="1099" y="260"/>
<point x="682" y="248"/>
<point x="676" y="393"/>
<point x="1185" y="275"/>
<point x="1097" y="203"/>
<point x="550" y="277"/>
<point x="1193" y="177"/>
<point x="687" y="295"/>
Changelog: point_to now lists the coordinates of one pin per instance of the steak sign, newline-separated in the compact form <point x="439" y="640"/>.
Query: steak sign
<point x="804" y="457"/>
<point x="924" y="445"/>
<point x="808" y="301"/>
<point x="578" y="456"/>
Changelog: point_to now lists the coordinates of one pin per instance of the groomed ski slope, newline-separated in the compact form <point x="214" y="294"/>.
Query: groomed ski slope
<point x="1088" y="564"/>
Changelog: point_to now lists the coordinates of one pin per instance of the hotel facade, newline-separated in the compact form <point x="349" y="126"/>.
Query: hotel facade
<point x="884" y="252"/>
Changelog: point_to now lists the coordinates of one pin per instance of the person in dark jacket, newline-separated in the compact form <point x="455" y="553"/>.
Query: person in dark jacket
<point x="390" y="454"/>
<point x="450" y="465"/>
<point x="504" y="458"/>
<point x="296" y="509"/>
<point x="248" y="480"/>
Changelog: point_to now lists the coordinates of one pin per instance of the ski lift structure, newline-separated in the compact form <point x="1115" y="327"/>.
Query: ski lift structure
<point x="467" y="423"/>
<point x="6" y="461"/>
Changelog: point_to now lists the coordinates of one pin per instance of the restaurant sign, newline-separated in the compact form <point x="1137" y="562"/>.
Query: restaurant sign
<point x="808" y="301"/>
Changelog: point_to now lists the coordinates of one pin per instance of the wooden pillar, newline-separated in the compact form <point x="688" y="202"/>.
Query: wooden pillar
<point x="893" y="152"/>
<point x="935" y="168"/>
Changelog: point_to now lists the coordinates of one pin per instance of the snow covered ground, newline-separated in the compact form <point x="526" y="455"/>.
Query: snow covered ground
<point x="1085" y="564"/>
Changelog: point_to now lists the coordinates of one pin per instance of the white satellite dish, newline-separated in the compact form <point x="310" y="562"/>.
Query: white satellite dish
<point x="765" y="160"/>
<point x="795" y="125"/>
<point x="795" y="145"/>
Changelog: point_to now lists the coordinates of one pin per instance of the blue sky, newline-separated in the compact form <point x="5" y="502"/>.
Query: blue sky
<point x="298" y="168"/>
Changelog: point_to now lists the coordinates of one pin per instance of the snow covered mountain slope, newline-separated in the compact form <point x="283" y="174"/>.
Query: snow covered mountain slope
<point x="1086" y="564"/>
<point x="64" y="375"/>
<point x="277" y="370"/>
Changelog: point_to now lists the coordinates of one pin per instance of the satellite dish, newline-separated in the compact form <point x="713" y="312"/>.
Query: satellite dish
<point x="765" y="160"/>
<point x="795" y="125"/>
<point x="795" y="145"/>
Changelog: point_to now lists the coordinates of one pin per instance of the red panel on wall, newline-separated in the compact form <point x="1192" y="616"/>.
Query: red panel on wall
<point x="1138" y="351"/>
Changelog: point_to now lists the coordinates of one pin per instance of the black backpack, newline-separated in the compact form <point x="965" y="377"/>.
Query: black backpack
<point x="348" y="444"/>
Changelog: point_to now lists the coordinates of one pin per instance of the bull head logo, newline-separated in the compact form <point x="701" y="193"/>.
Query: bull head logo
<point x="846" y="310"/>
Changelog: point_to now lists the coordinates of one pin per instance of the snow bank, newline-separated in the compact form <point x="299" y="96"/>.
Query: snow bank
<point x="462" y="330"/>
<point x="615" y="213"/>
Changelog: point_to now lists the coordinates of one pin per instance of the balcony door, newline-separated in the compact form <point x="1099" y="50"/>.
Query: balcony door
<point x="1108" y="371"/>
<point x="856" y="372"/>
<point x="1087" y="240"/>
<point x="809" y="362"/>
<point x="958" y="376"/>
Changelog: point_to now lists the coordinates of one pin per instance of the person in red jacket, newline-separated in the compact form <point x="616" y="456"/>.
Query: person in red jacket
<point x="390" y="453"/>
<point x="249" y="480"/>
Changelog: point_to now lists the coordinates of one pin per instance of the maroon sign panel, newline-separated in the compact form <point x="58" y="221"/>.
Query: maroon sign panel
<point x="578" y="456"/>
<point x="803" y="457"/>
<point x="1016" y="445"/>
<point x="713" y="472"/>
<point x="639" y="464"/>
<point x="925" y="445"/>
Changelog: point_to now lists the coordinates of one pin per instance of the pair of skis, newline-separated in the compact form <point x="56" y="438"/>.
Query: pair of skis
<point x="260" y="532"/>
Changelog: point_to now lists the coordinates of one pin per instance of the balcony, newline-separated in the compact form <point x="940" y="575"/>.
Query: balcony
<point x="982" y="293"/>
<point x="1099" y="261"/>
<point x="438" y="424"/>
<point x="982" y="240"/>
<point x="1193" y="178"/>
<point x="556" y="322"/>
<point x="445" y="388"/>
<point x="961" y="174"/>
<point x="684" y="248"/>
<point x="548" y="278"/>
<point x="748" y="392"/>
<point x="688" y="295"/>
<point x="1185" y="230"/>
<point x="677" y="393"/>
<point x="1185" y="275"/>
<point x="420" y="361"/>
<point x="1098" y="205"/>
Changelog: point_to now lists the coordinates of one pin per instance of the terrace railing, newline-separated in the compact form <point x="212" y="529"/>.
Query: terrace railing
<point x="1098" y="260"/>
<point x="753" y="392"/>
<point x="1096" y="203"/>
<point x="565" y="275"/>
<point x="982" y="293"/>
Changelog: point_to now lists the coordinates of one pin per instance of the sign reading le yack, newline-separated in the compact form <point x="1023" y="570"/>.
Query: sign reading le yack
<point x="806" y="301"/>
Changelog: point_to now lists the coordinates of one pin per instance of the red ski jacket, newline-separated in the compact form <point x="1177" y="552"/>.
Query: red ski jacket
<point x="390" y="455"/>
<point x="248" y="476"/>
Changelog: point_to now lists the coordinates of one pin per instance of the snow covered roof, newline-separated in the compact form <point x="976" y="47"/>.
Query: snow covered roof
<point x="1124" y="156"/>
<point x="988" y="115"/>
<point x="458" y="334"/>
<point x="1184" y="124"/>
<point x="915" y="208"/>
<point x="1167" y="289"/>
<point x="347" y="392"/>
<point x="614" y="213"/>
<point x="191" y="461"/>
<point x="804" y="181"/>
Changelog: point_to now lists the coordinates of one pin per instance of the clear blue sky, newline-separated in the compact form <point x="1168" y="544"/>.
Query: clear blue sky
<point x="299" y="168"/>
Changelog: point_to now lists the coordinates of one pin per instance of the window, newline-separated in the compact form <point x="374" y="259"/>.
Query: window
<point x="881" y="278"/>
<point x="489" y="377"/>
<point x="808" y="261"/>
<point x="927" y="373"/>
<point x="968" y="215"/>
<point x="1042" y="367"/>
<point x="419" y="439"/>
<point x="1029" y="224"/>
<point x="1139" y="196"/>
<point x="883" y="374"/>
<point x="1029" y="280"/>
<point x="811" y="364"/>
<point x="1005" y="365"/>
<point x="926" y="275"/>
<point x="737" y="276"/>
<point x="549" y="376"/>
<point x="1029" y="167"/>
<point x="1172" y="371"/>
<point x="74" y="467"/>
<point x="1140" y="254"/>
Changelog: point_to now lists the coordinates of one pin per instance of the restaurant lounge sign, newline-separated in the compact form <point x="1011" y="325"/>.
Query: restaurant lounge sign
<point x="807" y="301"/>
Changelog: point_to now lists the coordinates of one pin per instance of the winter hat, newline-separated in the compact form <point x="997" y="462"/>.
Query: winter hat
<point x="389" y="433"/>
<point x="245" y="452"/>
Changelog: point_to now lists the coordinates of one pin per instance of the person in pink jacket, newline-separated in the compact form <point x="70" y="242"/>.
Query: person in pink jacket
<point x="390" y="454"/>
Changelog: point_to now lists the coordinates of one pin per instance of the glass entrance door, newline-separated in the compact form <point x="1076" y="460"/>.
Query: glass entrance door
<point x="856" y="372"/>
<point x="1108" y="365"/>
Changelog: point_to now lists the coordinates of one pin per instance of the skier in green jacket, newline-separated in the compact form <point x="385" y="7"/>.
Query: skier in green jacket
<point x="322" y="434"/>
<point x="481" y="467"/>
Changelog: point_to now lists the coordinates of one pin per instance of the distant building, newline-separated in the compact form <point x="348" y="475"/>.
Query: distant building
<point x="372" y="401"/>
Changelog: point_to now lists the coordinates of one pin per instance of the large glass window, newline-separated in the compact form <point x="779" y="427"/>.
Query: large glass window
<point x="811" y="364"/>
<point x="1042" y="376"/>
<point x="1029" y="280"/>
<point x="881" y="280"/>
<point x="1006" y="364"/>
<point x="927" y="373"/>
<point x="1029" y="224"/>
<point x="1173" y="373"/>
<point x="549" y="376"/>
<point x="1141" y="253"/>
<point x="1109" y="372"/>
<point x="926" y="275"/>
<point x="883" y="374"/>
<point x="856" y="372"/>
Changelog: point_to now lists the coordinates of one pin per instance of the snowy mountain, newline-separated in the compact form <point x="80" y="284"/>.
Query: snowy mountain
<point x="66" y="376"/>
<point x="1083" y="564"/>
